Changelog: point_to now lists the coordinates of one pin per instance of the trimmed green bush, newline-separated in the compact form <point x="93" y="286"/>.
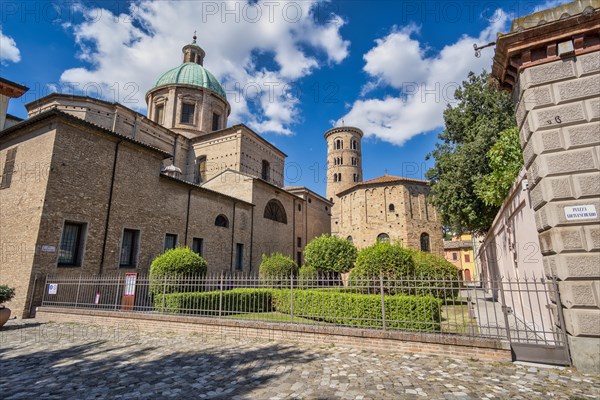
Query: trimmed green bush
<point x="207" y="303"/>
<point x="6" y="294"/>
<point x="439" y="275"/>
<point x="402" y="312"/>
<point x="277" y="266"/>
<point x="308" y="276"/>
<point x="172" y="264"/>
<point x="391" y="260"/>
<point x="404" y="271"/>
<point x="330" y="254"/>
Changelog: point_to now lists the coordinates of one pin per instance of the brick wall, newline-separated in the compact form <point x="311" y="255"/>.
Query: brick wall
<point x="449" y="346"/>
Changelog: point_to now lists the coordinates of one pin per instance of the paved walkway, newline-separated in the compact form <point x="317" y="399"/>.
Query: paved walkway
<point x="57" y="361"/>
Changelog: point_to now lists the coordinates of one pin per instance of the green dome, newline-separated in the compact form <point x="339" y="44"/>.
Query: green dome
<point x="191" y="74"/>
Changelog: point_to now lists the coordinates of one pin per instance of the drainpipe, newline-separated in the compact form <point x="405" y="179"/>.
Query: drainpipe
<point x="232" y="237"/>
<point x="175" y="150"/>
<point x="293" y="228"/>
<point x="35" y="279"/>
<point x="251" y="236"/>
<point x="187" y="217"/>
<point x="110" y="197"/>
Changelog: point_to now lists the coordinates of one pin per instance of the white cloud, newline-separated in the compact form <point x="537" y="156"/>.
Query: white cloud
<point x="139" y="47"/>
<point x="8" y="49"/>
<point x="425" y="84"/>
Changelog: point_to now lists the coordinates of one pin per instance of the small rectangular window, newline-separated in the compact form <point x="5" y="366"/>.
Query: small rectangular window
<point x="454" y="256"/>
<point x="266" y="170"/>
<point x="299" y="258"/>
<point x="198" y="246"/>
<point x="170" y="241"/>
<point x="216" y="122"/>
<point x="71" y="244"/>
<point x="239" y="256"/>
<point x="159" y="114"/>
<point x="187" y="113"/>
<point x="299" y="242"/>
<point x="467" y="258"/>
<point x="129" y="248"/>
<point x="9" y="168"/>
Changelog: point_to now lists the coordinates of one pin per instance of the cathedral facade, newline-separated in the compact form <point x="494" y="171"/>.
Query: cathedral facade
<point x="93" y="187"/>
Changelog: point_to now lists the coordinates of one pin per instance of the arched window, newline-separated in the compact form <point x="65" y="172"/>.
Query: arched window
<point x="392" y="208"/>
<point x="341" y="160"/>
<point x="335" y="177"/>
<point x="383" y="237"/>
<point x="425" y="242"/>
<point x="354" y="145"/>
<point x="275" y="211"/>
<point x="339" y="177"/>
<point x="222" y="221"/>
<point x="349" y="238"/>
<point x="339" y="144"/>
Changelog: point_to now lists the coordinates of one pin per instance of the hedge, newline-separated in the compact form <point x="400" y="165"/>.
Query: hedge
<point x="207" y="303"/>
<point x="401" y="312"/>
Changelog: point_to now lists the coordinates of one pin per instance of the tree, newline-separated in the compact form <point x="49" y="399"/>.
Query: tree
<point x="330" y="254"/>
<point x="277" y="266"/>
<point x="173" y="264"/>
<point x="505" y="160"/>
<point x="472" y="126"/>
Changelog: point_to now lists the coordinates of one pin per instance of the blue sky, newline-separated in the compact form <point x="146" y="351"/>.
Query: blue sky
<point x="291" y="69"/>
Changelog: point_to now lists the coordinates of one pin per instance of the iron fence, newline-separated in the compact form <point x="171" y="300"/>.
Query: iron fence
<point x="511" y="309"/>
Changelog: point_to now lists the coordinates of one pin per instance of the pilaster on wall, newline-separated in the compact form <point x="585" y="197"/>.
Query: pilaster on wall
<point x="553" y="70"/>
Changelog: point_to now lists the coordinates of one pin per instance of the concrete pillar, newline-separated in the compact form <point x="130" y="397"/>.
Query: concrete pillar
<point x="551" y="62"/>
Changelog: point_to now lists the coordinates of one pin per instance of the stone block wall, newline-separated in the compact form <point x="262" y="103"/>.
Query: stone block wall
<point x="558" y="115"/>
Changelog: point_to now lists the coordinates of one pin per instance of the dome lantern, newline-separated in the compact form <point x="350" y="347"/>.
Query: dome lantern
<point x="192" y="53"/>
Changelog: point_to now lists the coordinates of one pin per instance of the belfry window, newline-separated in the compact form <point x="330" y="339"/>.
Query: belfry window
<point x="187" y="113"/>
<point x="275" y="211"/>
<point x="339" y="144"/>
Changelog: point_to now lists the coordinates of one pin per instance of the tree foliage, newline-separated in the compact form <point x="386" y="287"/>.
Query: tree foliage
<point x="170" y="265"/>
<point x="505" y="160"/>
<point x="472" y="126"/>
<point x="277" y="265"/>
<point x="330" y="254"/>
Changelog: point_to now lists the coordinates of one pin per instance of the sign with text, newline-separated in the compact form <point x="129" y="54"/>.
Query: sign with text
<point x="130" y="280"/>
<point x="575" y="213"/>
<point x="46" y="248"/>
<point x="52" y="288"/>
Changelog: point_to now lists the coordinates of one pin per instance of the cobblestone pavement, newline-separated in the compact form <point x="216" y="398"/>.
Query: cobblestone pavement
<point x="59" y="360"/>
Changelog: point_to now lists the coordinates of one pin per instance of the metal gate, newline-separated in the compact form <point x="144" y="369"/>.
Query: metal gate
<point x="534" y="320"/>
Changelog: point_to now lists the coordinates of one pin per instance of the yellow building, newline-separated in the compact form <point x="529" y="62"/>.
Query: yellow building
<point x="459" y="251"/>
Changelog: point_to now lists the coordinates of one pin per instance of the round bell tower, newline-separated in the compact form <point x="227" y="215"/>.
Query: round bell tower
<point x="344" y="159"/>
